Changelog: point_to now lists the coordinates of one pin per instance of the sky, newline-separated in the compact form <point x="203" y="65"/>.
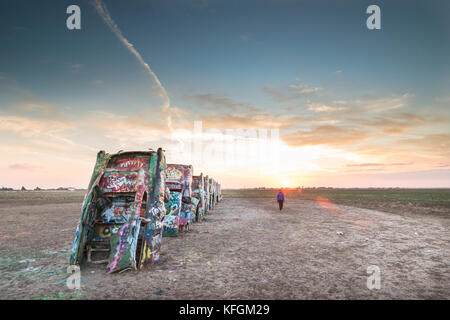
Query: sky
<point x="254" y="93"/>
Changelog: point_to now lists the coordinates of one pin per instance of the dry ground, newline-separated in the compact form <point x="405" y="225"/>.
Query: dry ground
<point x="246" y="249"/>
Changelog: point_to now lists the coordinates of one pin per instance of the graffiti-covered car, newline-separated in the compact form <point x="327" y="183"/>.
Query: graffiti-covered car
<point x="198" y="192"/>
<point x="122" y="212"/>
<point x="179" y="209"/>
<point x="214" y="192"/>
<point x="206" y="194"/>
<point x="211" y="193"/>
<point x="219" y="192"/>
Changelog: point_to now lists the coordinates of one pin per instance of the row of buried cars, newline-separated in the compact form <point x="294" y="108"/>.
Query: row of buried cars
<point x="133" y="200"/>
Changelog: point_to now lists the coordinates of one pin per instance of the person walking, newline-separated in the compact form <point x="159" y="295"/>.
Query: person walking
<point x="280" y="199"/>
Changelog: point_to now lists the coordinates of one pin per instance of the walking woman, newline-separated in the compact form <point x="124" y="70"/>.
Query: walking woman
<point x="280" y="199"/>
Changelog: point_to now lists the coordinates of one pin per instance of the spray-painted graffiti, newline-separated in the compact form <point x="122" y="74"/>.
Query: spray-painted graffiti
<point x="121" y="220"/>
<point x="179" y="180"/>
<point x="174" y="174"/>
<point x="132" y="164"/>
<point x="206" y="192"/>
<point x="171" y="221"/>
<point x="118" y="182"/>
<point x="198" y="192"/>
<point x="133" y="199"/>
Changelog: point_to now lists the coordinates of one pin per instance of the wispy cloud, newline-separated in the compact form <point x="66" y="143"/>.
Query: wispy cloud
<point x="327" y="135"/>
<point x="218" y="103"/>
<point x="319" y="107"/>
<point x="384" y="104"/>
<point x="98" y="82"/>
<point x="294" y="91"/>
<point x="24" y="166"/>
<point x="27" y="127"/>
<point x="443" y="99"/>
<point x="377" y="164"/>
<point x="246" y="121"/>
<point x="76" y="67"/>
<point x="103" y="11"/>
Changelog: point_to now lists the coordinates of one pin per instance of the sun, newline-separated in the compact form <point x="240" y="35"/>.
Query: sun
<point x="285" y="183"/>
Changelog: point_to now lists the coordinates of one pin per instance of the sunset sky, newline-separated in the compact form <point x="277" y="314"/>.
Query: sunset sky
<point x="353" y="107"/>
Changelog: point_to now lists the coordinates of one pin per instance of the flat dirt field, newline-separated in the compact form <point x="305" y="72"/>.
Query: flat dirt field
<point x="246" y="249"/>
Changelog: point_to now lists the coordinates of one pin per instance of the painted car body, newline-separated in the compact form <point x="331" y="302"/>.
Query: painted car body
<point x="179" y="208"/>
<point x="219" y="192"/>
<point x="198" y="192"/>
<point x="206" y="190"/>
<point x="123" y="210"/>
<point x="211" y="193"/>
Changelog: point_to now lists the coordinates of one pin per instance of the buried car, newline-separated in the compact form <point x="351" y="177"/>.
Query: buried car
<point x="211" y="197"/>
<point x="122" y="212"/>
<point x="179" y="209"/>
<point x="206" y="194"/>
<point x="198" y="192"/>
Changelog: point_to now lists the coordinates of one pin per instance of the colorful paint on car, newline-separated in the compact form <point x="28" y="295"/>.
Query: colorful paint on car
<point x="179" y="181"/>
<point x="198" y="192"/>
<point x="206" y="193"/>
<point x="172" y="219"/>
<point x="123" y="210"/>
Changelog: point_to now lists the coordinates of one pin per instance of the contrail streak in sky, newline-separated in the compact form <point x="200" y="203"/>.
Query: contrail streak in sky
<point x="104" y="13"/>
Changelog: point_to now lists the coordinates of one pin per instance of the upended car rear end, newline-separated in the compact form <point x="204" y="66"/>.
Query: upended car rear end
<point x="198" y="192"/>
<point x="122" y="213"/>
<point x="180" y="207"/>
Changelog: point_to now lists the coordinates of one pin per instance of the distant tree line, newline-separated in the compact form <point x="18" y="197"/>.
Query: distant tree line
<point x="39" y="189"/>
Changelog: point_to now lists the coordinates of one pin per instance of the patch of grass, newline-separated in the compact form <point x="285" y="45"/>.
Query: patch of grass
<point x="423" y="197"/>
<point x="21" y="198"/>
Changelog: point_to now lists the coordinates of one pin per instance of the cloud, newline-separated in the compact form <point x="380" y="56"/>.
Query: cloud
<point x="384" y="104"/>
<point x="103" y="11"/>
<point x="443" y="99"/>
<point x="32" y="127"/>
<point x="377" y="164"/>
<point x="244" y="37"/>
<point x="34" y="108"/>
<point x="76" y="67"/>
<point x="217" y="103"/>
<point x="396" y="123"/>
<point x="327" y="135"/>
<point x="319" y="107"/>
<point x="235" y="121"/>
<point x="293" y="92"/>
<point x="434" y="143"/>
<point x="302" y="89"/>
<point x="98" y="82"/>
<point x="24" y="166"/>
